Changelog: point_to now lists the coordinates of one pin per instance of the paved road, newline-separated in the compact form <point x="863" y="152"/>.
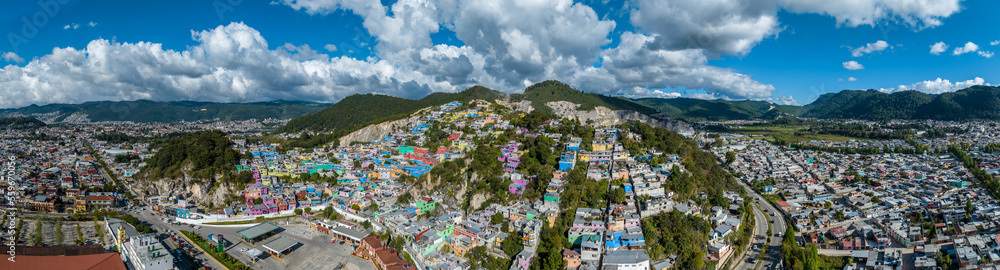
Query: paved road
<point x="777" y="227"/>
<point x="165" y="229"/>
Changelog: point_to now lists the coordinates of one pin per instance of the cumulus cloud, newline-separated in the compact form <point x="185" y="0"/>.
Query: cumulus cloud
<point x="506" y="45"/>
<point x="986" y="54"/>
<point x="853" y="65"/>
<point x="12" y="57"/>
<point x="969" y="47"/>
<point x="230" y="63"/>
<point x="870" y="48"/>
<point x="995" y="42"/>
<point x="939" y="48"/>
<point x="937" y="86"/>
<point x="852" y="79"/>
<point x="639" y="92"/>
<point x="916" y="13"/>
<point x="330" y="47"/>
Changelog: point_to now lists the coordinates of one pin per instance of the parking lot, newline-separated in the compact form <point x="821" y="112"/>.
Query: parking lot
<point x="314" y="250"/>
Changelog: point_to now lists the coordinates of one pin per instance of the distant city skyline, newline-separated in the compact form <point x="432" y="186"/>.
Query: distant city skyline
<point x="783" y="51"/>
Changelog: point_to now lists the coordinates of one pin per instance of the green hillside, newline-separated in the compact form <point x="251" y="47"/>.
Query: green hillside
<point x="977" y="102"/>
<point x="357" y="111"/>
<point x="173" y="111"/>
<point x="718" y="110"/>
<point x="547" y="91"/>
<point x="208" y="152"/>
<point x="869" y="104"/>
<point x="20" y="123"/>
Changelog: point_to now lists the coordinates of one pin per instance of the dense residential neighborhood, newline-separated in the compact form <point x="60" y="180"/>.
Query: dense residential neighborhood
<point x="480" y="185"/>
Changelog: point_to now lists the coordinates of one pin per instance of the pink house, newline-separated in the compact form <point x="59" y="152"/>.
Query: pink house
<point x="523" y="260"/>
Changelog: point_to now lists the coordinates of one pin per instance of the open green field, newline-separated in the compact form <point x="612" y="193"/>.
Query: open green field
<point x="791" y="134"/>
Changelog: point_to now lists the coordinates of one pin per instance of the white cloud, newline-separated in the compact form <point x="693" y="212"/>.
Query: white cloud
<point x="512" y="43"/>
<point x="985" y="54"/>
<point x="506" y="45"/>
<point x="995" y="42"/>
<point x="969" y="47"/>
<point x="330" y="47"/>
<point x="916" y="13"/>
<point x="784" y="100"/>
<point x="937" y="86"/>
<point x="840" y="79"/>
<point x="852" y="79"/>
<point x="92" y="24"/>
<point x="72" y="25"/>
<point x="229" y="63"/>
<point x="640" y="92"/>
<point x="870" y="48"/>
<point x="12" y="57"/>
<point x="939" y="48"/>
<point x="853" y="65"/>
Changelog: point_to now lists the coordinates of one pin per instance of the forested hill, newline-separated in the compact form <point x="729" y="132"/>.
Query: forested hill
<point x="718" y="110"/>
<point x="20" y="123"/>
<point x="973" y="103"/>
<point x="171" y="111"/>
<point x="869" y="104"/>
<point x="357" y="111"/>
<point x="207" y="152"/>
<point x="547" y="91"/>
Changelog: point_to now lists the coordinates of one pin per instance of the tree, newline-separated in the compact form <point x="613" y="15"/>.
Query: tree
<point x="38" y="233"/>
<point x="59" y="233"/>
<point x="366" y="224"/>
<point x="617" y="195"/>
<point x="79" y="235"/>
<point x="511" y="245"/>
<point x="373" y="206"/>
<point x="730" y="157"/>
<point x="309" y="210"/>
<point x="497" y="218"/>
<point x="827" y="204"/>
<point x="298" y="211"/>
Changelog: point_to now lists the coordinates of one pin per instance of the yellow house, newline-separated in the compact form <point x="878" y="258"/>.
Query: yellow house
<point x="80" y="206"/>
<point x="599" y="146"/>
<point x="459" y="248"/>
<point x="583" y="156"/>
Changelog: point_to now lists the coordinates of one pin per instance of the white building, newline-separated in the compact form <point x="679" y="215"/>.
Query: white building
<point x="144" y="252"/>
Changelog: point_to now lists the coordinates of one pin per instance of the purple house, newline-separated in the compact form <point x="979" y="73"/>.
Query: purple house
<point x="523" y="260"/>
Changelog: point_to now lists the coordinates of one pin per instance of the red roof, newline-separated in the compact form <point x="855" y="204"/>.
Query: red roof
<point x="105" y="261"/>
<point x="783" y="204"/>
<point x="99" y="198"/>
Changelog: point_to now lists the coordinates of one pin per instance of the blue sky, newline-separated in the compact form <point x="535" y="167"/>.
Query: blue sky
<point x="324" y="50"/>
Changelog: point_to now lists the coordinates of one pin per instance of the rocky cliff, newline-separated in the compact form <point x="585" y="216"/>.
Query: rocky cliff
<point x="195" y="191"/>
<point x="377" y="131"/>
<point x="602" y="116"/>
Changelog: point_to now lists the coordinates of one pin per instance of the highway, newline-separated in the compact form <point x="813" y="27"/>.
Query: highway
<point x="773" y="255"/>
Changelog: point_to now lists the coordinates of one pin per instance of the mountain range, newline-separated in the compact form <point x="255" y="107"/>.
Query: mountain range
<point x="359" y="110"/>
<point x="169" y="111"/>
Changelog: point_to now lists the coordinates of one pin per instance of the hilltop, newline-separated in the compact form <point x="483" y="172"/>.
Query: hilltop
<point x="973" y="103"/>
<point x="548" y="91"/>
<point x="170" y="111"/>
<point x="717" y="110"/>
